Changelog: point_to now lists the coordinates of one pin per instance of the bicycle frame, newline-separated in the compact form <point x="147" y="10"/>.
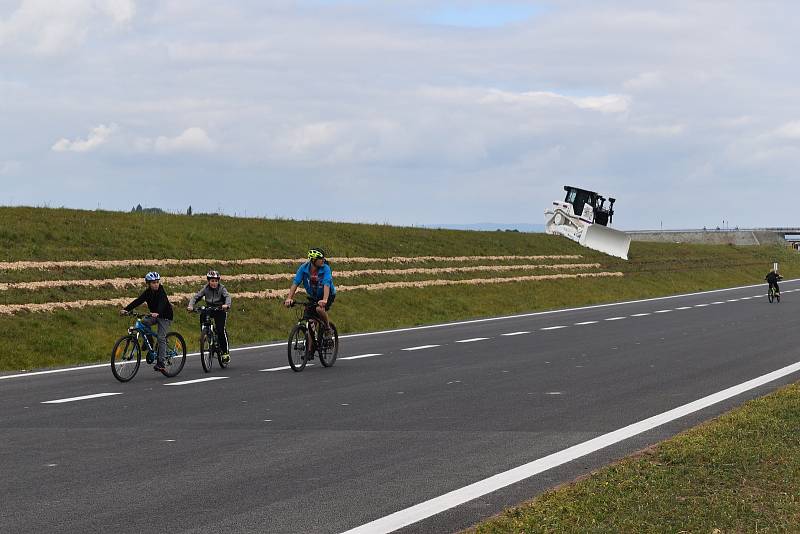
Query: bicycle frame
<point x="144" y="332"/>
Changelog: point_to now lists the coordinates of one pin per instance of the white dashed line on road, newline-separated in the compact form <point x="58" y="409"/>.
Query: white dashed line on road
<point x="360" y="356"/>
<point x="700" y="305"/>
<point x="732" y="300"/>
<point x="83" y="397"/>
<point x="283" y="368"/>
<point x="615" y="318"/>
<point x="639" y="314"/>
<point x="662" y="311"/>
<point x="515" y="333"/>
<point x="471" y="340"/>
<point x="718" y="302"/>
<point x="586" y="322"/>
<point x="684" y="308"/>
<point x="554" y="327"/>
<point x="421" y="347"/>
<point x="195" y="381"/>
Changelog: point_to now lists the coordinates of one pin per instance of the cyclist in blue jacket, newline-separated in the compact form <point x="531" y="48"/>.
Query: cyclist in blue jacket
<point x="317" y="279"/>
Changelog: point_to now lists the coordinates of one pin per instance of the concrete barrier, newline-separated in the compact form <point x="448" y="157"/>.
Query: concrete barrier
<point x="712" y="237"/>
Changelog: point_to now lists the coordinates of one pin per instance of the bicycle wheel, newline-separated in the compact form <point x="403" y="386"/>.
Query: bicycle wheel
<point x="206" y="355"/>
<point x="329" y="348"/>
<point x="298" y="348"/>
<point x="125" y="358"/>
<point x="176" y="354"/>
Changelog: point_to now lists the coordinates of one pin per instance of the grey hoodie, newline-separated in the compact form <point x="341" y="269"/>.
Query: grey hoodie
<point x="213" y="297"/>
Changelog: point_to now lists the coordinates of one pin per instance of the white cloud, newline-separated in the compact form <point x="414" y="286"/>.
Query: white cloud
<point x="611" y="103"/>
<point x="661" y="130"/>
<point x="190" y="140"/>
<point x="51" y="28"/>
<point x="645" y="80"/>
<point x="9" y="167"/>
<point x="97" y="137"/>
<point x="790" y="130"/>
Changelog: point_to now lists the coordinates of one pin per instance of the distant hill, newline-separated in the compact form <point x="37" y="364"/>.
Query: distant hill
<point x="491" y="227"/>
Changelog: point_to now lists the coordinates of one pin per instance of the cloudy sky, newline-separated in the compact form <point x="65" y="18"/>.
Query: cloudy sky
<point x="407" y="112"/>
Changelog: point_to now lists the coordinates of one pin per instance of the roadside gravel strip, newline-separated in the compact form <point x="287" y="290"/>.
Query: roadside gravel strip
<point x="103" y="264"/>
<point x="9" y="309"/>
<point x="119" y="283"/>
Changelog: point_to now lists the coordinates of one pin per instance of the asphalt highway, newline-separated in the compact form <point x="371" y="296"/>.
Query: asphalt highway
<point x="403" y="418"/>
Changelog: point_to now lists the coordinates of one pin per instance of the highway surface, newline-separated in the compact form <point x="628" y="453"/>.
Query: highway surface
<point x="427" y="430"/>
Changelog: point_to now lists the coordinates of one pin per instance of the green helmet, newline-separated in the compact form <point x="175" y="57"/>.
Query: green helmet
<point x="315" y="254"/>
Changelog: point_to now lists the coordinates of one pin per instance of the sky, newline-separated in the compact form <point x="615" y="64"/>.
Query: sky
<point x="410" y="113"/>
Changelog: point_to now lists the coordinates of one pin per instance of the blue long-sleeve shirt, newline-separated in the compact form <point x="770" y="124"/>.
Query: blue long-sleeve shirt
<point x="315" y="284"/>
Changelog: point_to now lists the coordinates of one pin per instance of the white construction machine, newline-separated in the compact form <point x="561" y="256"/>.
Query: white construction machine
<point x="584" y="218"/>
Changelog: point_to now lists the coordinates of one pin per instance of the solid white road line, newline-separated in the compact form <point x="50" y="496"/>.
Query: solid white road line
<point x="196" y="381"/>
<point x="516" y="333"/>
<point x="360" y="356"/>
<point x="586" y="322"/>
<point x="471" y="340"/>
<point x="460" y="496"/>
<point x="553" y="327"/>
<point x="615" y="318"/>
<point x="84" y="397"/>
<point x="420" y="347"/>
<point x="441" y="325"/>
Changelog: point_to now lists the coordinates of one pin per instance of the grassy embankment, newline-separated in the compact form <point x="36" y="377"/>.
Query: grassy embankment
<point x="33" y="340"/>
<point x="737" y="473"/>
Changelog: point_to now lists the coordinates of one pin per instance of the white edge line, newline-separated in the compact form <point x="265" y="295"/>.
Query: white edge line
<point x="440" y="325"/>
<point x="83" y="397"/>
<point x="413" y="514"/>
<point x="183" y="383"/>
<point x="360" y="356"/>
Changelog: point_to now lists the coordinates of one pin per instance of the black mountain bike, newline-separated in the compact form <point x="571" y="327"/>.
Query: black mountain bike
<point x="773" y="295"/>
<point x="127" y="352"/>
<point x="209" y="340"/>
<point x="308" y="336"/>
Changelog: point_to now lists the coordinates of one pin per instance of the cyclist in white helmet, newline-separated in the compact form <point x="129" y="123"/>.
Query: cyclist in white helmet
<point x="160" y="313"/>
<point x="215" y="294"/>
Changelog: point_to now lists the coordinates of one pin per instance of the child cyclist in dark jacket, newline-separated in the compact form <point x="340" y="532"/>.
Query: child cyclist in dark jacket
<point x="215" y="294"/>
<point x="160" y="313"/>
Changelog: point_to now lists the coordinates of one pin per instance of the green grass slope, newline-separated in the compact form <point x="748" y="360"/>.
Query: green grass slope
<point x="35" y="340"/>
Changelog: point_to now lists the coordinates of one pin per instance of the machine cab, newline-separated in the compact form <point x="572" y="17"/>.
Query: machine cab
<point x="589" y="205"/>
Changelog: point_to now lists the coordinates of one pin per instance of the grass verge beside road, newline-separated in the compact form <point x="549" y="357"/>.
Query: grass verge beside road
<point x="45" y="339"/>
<point x="737" y="473"/>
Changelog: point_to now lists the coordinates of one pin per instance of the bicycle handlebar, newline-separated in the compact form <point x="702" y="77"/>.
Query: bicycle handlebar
<point x="207" y="308"/>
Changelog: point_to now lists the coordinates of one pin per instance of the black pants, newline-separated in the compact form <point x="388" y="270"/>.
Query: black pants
<point x="775" y="285"/>
<point x="219" y="316"/>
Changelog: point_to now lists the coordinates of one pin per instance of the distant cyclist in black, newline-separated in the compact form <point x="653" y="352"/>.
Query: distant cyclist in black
<point x="772" y="278"/>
